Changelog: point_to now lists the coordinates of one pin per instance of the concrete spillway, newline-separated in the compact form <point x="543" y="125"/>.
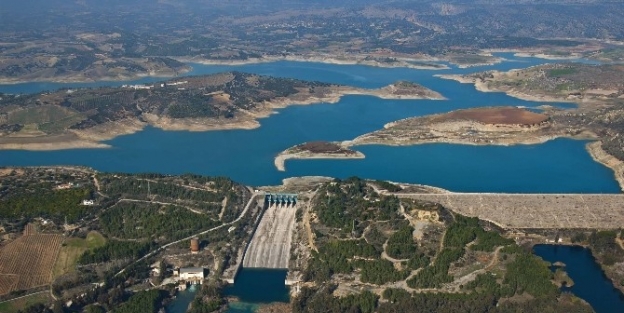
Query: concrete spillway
<point x="536" y="210"/>
<point x="270" y="245"/>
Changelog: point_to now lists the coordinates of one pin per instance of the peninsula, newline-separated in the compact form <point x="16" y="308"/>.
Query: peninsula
<point x="82" y="118"/>
<point x="479" y="126"/>
<point x="316" y="150"/>
<point x="598" y="90"/>
<point x="490" y="125"/>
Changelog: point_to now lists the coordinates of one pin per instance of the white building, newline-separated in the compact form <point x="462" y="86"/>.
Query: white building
<point x="192" y="274"/>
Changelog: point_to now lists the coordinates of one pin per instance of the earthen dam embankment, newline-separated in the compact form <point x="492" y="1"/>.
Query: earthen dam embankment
<point x="547" y="211"/>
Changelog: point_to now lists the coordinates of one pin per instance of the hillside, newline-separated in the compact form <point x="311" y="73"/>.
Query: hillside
<point x="374" y="252"/>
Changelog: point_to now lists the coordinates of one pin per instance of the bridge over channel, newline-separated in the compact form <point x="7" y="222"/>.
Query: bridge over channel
<point x="270" y="245"/>
<point x="548" y="211"/>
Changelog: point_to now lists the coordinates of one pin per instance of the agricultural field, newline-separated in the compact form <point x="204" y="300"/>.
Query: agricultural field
<point x="72" y="249"/>
<point x="27" y="261"/>
<point x="21" y="303"/>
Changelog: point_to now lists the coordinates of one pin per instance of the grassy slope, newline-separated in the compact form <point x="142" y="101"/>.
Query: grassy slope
<point x="72" y="249"/>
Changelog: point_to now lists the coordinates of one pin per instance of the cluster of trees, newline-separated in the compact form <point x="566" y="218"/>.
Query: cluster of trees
<point x="375" y="237"/>
<point x="312" y="300"/>
<point x="343" y="202"/>
<point x="400" y="301"/>
<point x="193" y="106"/>
<point x="143" y="301"/>
<point x="488" y="240"/>
<point x="131" y="220"/>
<point x="333" y="257"/>
<point x="115" y="249"/>
<point x="401" y="244"/>
<point x="344" y="256"/>
<point x="526" y="273"/>
<point x="388" y="186"/>
<point x="417" y="261"/>
<point x="464" y="230"/>
<point x="54" y="204"/>
<point x="529" y="273"/>
<point x="436" y="274"/>
<point x="57" y="307"/>
<point x="379" y="272"/>
<point x="161" y="190"/>
<point x="459" y="233"/>
<point x="603" y="245"/>
<point x="210" y="299"/>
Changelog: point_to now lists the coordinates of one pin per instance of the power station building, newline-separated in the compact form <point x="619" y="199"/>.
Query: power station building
<point x="193" y="275"/>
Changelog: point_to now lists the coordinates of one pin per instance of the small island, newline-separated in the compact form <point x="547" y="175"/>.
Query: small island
<point x="83" y="118"/>
<point x="316" y="150"/>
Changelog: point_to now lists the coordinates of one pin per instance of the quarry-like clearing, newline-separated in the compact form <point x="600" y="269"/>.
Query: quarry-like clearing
<point x="496" y="115"/>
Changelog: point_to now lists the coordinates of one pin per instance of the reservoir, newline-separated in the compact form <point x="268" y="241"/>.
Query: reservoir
<point x="590" y="283"/>
<point x="559" y="166"/>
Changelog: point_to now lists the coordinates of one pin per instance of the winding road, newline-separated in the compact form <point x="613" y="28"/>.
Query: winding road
<point x="251" y="200"/>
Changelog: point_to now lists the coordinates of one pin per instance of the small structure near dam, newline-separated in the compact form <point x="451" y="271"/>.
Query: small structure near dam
<point x="270" y="245"/>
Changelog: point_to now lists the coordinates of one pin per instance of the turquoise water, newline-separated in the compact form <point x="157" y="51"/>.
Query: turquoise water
<point x="590" y="283"/>
<point x="557" y="166"/>
<point x="254" y="287"/>
<point x="247" y="155"/>
<point x="182" y="300"/>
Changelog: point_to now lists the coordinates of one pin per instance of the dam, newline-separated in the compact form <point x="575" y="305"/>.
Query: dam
<point x="270" y="245"/>
<point x="548" y="211"/>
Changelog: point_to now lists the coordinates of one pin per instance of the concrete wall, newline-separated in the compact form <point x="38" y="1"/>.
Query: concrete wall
<point x="270" y="245"/>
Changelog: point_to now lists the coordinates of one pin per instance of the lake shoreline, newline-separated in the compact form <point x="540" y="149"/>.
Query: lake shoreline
<point x="244" y="120"/>
<point x="400" y="62"/>
<point x="281" y="158"/>
<point x="77" y="79"/>
<point x="483" y="87"/>
<point x="599" y="155"/>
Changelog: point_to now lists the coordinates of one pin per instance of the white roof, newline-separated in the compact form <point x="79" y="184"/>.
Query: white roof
<point x="191" y="270"/>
